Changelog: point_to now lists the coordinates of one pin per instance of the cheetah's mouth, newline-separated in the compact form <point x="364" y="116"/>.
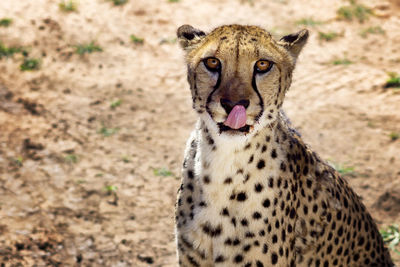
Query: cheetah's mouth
<point x="224" y="128"/>
<point x="236" y="120"/>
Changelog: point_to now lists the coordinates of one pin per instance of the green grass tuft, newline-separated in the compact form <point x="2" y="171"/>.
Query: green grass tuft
<point x="162" y="172"/>
<point x="68" y="6"/>
<point x="391" y="236"/>
<point x="308" y="22"/>
<point x="372" y="30"/>
<point x="354" y="11"/>
<point x="116" y="103"/>
<point x="5" y="22"/>
<point x="394" y="136"/>
<point x="30" y="64"/>
<point x="71" y="158"/>
<point x="8" y="51"/>
<point x="345" y="170"/>
<point x="173" y="1"/>
<point x="111" y="188"/>
<point x="136" y="40"/>
<point x="119" y="2"/>
<point x="392" y="82"/>
<point x="19" y="161"/>
<point x="328" y="36"/>
<point x="82" y="49"/>
<point x="107" y="132"/>
<point x="343" y="61"/>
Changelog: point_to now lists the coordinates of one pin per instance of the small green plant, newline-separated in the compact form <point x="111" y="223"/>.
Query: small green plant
<point x="106" y="132"/>
<point x="71" y="158"/>
<point x="173" y="1"/>
<point x="162" y="172"/>
<point x="394" y="136"/>
<point x="136" y="40"/>
<point x="30" y="64"/>
<point x="5" y="22"/>
<point x="68" y="6"/>
<point x="343" y="61"/>
<point x="168" y="41"/>
<point x="354" y="11"/>
<point x="115" y="103"/>
<point x="119" y="2"/>
<point x="372" y="30"/>
<point x="343" y="169"/>
<point x="391" y="236"/>
<point x="111" y="188"/>
<point x="19" y="161"/>
<point x="8" y="51"/>
<point x="126" y="159"/>
<point x="308" y="22"/>
<point x="82" y="49"/>
<point x="328" y="36"/>
<point x="393" y="80"/>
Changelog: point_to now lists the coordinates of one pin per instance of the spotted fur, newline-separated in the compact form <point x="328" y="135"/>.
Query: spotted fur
<point x="261" y="197"/>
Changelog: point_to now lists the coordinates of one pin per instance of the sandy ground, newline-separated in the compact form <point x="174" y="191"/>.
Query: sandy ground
<point x="85" y="184"/>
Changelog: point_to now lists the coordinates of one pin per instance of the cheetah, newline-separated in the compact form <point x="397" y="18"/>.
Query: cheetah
<point x="253" y="193"/>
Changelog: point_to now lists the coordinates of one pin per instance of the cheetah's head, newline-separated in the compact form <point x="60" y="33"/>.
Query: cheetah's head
<point x="239" y="75"/>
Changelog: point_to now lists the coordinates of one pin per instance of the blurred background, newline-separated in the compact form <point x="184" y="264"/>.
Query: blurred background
<point x="95" y="111"/>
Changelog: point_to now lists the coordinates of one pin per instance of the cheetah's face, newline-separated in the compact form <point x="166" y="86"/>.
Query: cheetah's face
<point x="239" y="74"/>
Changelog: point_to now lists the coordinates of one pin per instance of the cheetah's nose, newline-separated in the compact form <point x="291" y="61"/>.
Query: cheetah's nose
<point x="228" y="105"/>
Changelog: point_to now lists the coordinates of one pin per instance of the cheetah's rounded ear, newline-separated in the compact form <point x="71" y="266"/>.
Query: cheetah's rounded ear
<point x="188" y="36"/>
<point x="294" y="42"/>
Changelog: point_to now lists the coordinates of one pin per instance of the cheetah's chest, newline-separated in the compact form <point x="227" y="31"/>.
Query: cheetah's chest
<point x="239" y="212"/>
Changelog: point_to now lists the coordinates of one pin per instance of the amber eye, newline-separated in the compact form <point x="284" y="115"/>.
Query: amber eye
<point x="212" y="64"/>
<point x="263" y="66"/>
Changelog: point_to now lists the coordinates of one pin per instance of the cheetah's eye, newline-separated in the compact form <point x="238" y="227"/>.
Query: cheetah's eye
<point x="263" y="66"/>
<point x="212" y="64"/>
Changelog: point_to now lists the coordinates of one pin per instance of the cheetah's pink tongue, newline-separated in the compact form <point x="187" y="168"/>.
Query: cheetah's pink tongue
<point x="236" y="118"/>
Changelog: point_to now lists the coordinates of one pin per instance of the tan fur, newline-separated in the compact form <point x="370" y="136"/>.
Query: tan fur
<point x="261" y="197"/>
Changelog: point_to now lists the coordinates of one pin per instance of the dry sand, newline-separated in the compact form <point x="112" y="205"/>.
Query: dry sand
<point x="71" y="196"/>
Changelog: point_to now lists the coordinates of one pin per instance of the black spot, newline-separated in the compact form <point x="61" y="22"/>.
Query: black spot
<point x="271" y="182"/>
<point x="265" y="248"/>
<point x="238" y="258"/>
<point x="190" y="187"/>
<point x="190" y="174"/>
<point x="206" y="179"/>
<point x="259" y="264"/>
<point x="250" y="235"/>
<point x="283" y="166"/>
<point x="266" y="203"/>
<point x="256" y="215"/>
<point x="274" y="258"/>
<point x="246" y="248"/>
<point x="192" y="261"/>
<point x="244" y="222"/>
<point x="225" y="212"/>
<point x="258" y="188"/>
<point x="261" y="164"/>
<point x="241" y="196"/>
<point x="228" y="180"/>
<point x="220" y="258"/>
<point x="251" y="159"/>
<point x="292" y="213"/>
<point x="309" y="183"/>
<point x="273" y="153"/>
<point x="305" y="170"/>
